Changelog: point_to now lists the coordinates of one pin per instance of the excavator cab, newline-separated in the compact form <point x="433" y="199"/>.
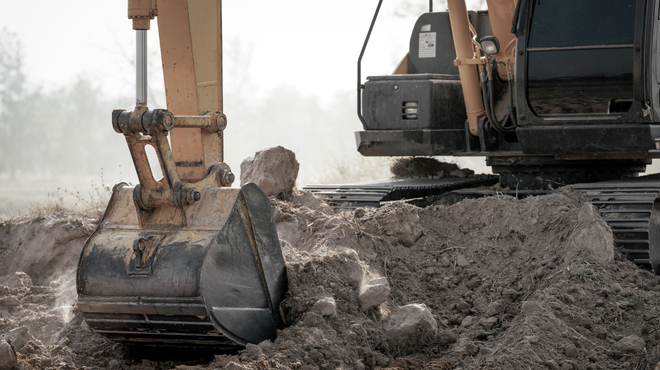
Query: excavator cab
<point x="186" y="260"/>
<point x="567" y="94"/>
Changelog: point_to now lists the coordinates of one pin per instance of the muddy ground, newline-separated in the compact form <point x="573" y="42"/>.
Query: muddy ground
<point x="508" y="284"/>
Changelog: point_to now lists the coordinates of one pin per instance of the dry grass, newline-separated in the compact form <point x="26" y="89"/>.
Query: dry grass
<point x="61" y="202"/>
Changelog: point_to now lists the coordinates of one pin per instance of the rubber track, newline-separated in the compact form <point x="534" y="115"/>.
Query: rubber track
<point x="627" y="207"/>
<point x="371" y="194"/>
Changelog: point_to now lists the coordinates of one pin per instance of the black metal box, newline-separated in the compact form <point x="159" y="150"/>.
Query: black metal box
<point x="413" y="102"/>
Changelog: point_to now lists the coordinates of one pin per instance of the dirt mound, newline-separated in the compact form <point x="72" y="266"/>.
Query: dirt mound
<point x="494" y="283"/>
<point x="426" y="168"/>
<point x="44" y="247"/>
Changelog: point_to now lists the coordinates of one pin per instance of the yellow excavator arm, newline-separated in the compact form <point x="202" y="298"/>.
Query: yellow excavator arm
<point x="184" y="260"/>
<point x="191" y="47"/>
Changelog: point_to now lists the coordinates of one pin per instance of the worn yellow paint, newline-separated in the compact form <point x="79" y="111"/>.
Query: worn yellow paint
<point x="469" y="78"/>
<point x="204" y="19"/>
<point x="500" y="13"/>
<point x="180" y="85"/>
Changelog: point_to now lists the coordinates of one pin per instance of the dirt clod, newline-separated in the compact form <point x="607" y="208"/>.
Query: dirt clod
<point x="325" y="306"/>
<point x="410" y="326"/>
<point x="572" y="351"/>
<point x="630" y="345"/>
<point x="530" y="308"/>
<point x="373" y="293"/>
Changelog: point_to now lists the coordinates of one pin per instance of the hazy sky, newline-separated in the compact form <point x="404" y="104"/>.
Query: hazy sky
<point x="312" y="45"/>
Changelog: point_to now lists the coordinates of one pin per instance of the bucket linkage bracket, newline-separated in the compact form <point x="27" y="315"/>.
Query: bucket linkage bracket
<point x="142" y="127"/>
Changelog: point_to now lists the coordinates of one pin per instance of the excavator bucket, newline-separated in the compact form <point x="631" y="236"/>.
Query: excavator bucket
<point x="215" y="281"/>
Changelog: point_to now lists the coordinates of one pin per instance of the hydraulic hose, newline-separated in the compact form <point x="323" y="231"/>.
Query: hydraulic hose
<point x="486" y="98"/>
<point x="488" y="93"/>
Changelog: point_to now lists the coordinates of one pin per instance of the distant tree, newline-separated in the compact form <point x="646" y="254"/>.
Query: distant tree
<point x="13" y="107"/>
<point x="66" y="131"/>
<point x="239" y="89"/>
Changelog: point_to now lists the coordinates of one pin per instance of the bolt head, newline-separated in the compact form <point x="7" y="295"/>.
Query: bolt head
<point x="168" y="121"/>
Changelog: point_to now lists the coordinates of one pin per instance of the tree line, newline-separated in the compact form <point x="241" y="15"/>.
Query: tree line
<point x="67" y="131"/>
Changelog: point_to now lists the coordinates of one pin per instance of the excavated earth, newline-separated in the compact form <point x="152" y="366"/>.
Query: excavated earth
<point x="502" y="284"/>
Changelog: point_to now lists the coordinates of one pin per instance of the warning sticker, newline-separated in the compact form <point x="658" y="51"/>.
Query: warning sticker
<point x="427" y="45"/>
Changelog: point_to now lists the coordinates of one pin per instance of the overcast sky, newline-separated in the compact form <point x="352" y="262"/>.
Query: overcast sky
<point x="312" y="45"/>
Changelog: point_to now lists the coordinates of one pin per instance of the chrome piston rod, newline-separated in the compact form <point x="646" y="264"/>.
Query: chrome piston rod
<point x="141" y="68"/>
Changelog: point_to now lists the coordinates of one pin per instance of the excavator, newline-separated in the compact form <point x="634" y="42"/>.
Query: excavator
<point x="183" y="261"/>
<point x="552" y="93"/>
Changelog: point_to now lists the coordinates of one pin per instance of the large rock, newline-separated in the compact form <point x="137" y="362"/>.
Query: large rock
<point x="325" y="306"/>
<point x="7" y="355"/>
<point x="274" y="170"/>
<point x="410" y="326"/>
<point x="373" y="293"/>
<point x="592" y="239"/>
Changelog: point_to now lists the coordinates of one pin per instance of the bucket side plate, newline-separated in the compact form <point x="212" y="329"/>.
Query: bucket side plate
<point x="244" y="276"/>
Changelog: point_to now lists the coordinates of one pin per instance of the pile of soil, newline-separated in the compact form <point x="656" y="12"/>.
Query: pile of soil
<point x="426" y="168"/>
<point x="510" y="284"/>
